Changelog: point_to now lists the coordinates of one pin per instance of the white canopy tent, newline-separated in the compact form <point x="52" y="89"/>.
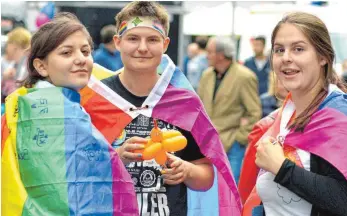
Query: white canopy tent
<point x="260" y="19"/>
<point x="209" y="20"/>
<point x="257" y="19"/>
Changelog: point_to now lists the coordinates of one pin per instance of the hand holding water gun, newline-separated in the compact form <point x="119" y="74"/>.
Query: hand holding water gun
<point x="160" y="143"/>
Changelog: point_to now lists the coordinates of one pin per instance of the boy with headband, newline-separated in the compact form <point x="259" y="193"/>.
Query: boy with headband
<point x="151" y="87"/>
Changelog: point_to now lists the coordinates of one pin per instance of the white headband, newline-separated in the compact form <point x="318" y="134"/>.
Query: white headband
<point x="134" y="22"/>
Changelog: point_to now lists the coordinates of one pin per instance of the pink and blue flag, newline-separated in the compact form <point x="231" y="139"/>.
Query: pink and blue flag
<point x="172" y="100"/>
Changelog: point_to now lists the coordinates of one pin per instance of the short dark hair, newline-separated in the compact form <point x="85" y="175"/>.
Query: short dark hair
<point x="201" y="41"/>
<point x="50" y="36"/>
<point x="261" y="38"/>
<point x="107" y="33"/>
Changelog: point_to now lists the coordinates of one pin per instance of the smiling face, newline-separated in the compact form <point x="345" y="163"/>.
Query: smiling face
<point x="295" y="60"/>
<point x="70" y="64"/>
<point x="141" y="48"/>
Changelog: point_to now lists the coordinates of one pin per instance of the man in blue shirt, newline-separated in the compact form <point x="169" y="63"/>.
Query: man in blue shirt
<point x="259" y="64"/>
<point x="107" y="54"/>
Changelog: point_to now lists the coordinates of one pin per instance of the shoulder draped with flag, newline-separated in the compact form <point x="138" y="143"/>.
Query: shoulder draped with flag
<point x="322" y="137"/>
<point x="54" y="162"/>
<point x="249" y="169"/>
<point x="172" y="100"/>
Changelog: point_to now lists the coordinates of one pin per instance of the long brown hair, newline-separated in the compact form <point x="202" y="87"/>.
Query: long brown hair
<point x="317" y="33"/>
<point x="50" y="36"/>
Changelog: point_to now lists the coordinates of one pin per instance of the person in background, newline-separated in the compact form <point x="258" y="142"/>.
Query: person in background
<point x="273" y="99"/>
<point x="229" y="92"/>
<point x="13" y="62"/>
<point x="259" y="63"/>
<point x="192" y="51"/>
<point x="107" y="55"/>
<point x="198" y="64"/>
<point x="18" y="41"/>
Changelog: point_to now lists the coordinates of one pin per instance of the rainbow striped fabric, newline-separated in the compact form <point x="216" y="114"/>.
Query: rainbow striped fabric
<point x="122" y="27"/>
<point x="54" y="162"/>
<point x="172" y="100"/>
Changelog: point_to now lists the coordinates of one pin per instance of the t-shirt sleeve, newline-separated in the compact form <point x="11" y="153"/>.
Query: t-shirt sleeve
<point x="192" y="151"/>
<point x="108" y="81"/>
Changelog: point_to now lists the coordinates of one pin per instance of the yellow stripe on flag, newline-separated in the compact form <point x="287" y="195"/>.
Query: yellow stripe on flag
<point x="101" y="73"/>
<point x="13" y="193"/>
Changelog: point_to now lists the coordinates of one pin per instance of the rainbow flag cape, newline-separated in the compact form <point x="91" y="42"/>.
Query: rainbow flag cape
<point x="54" y="162"/>
<point x="322" y="136"/>
<point x="172" y="100"/>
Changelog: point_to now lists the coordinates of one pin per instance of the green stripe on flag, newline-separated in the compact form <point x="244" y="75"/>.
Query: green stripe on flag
<point x="41" y="152"/>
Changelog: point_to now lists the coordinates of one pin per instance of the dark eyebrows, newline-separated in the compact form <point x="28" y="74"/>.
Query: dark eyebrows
<point x="293" y="44"/>
<point x="65" y="46"/>
<point x="71" y="46"/>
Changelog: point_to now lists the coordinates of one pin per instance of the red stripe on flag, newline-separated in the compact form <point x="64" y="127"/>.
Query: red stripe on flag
<point x="5" y="132"/>
<point x="252" y="202"/>
<point x="106" y="117"/>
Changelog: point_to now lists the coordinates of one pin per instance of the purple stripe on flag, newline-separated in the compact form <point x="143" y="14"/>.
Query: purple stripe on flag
<point x="184" y="109"/>
<point x="324" y="136"/>
<point x="124" y="201"/>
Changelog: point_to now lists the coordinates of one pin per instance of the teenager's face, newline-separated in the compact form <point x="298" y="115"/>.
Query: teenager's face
<point x="141" y="48"/>
<point x="70" y="64"/>
<point x="295" y="60"/>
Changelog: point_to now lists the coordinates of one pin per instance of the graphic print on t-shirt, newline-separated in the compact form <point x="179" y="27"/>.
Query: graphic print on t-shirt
<point x="151" y="192"/>
<point x="278" y="200"/>
<point x="286" y="195"/>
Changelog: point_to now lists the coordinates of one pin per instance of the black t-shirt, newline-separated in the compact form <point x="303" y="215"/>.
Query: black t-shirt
<point x="153" y="197"/>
